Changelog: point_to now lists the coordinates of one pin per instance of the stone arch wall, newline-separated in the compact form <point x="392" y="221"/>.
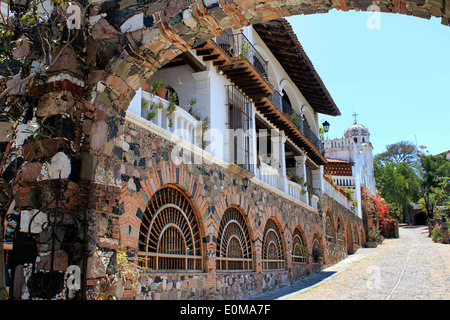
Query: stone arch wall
<point x="212" y="189"/>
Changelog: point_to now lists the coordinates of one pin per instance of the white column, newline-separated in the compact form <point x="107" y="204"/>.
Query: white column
<point x="278" y="154"/>
<point x="317" y="178"/>
<point x="300" y="171"/>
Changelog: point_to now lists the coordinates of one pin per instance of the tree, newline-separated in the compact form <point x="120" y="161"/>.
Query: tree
<point x="403" y="151"/>
<point x="435" y="173"/>
<point x="399" y="185"/>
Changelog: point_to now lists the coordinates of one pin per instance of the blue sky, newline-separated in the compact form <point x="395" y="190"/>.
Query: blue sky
<point x="396" y="78"/>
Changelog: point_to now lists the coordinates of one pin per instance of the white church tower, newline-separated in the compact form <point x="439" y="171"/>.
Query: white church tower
<point x="351" y="161"/>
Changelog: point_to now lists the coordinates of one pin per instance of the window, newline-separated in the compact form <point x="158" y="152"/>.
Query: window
<point x="329" y="229"/>
<point x="240" y="125"/>
<point x="299" y="250"/>
<point x="316" y="251"/>
<point x="273" y="254"/>
<point x="340" y="232"/>
<point x="355" y="237"/>
<point x="234" y="249"/>
<point x="169" y="237"/>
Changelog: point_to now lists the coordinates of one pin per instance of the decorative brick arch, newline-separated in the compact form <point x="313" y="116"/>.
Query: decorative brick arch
<point x="136" y="200"/>
<point x="234" y="224"/>
<point x="274" y="246"/>
<point x="350" y="244"/>
<point x="298" y="237"/>
<point x="330" y="227"/>
<point x="340" y="229"/>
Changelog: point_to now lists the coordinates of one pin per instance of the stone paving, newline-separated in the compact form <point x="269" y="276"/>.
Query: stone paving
<point x="411" y="267"/>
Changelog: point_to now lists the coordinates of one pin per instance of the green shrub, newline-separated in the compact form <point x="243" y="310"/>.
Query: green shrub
<point x="436" y="234"/>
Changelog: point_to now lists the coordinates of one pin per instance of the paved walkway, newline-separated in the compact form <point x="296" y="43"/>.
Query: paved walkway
<point x="409" y="268"/>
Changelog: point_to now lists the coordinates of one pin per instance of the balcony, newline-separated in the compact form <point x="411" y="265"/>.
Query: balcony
<point x="179" y="122"/>
<point x="285" y="107"/>
<point x="337" y="195"/>
<point x="238" y="47"/>
<point x="278" y="111"/>
<point x="238" y="60"/>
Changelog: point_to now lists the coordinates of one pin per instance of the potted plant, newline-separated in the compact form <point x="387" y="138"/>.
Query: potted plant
<point x="171" y="108"/>
<point x="159" y="88"/>
<point x="191" y="111"/>
<point x="151" y="114"/>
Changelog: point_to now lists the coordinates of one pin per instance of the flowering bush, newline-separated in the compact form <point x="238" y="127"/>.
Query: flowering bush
<point x="436" y="234"/>
<point x="377" y="212"/>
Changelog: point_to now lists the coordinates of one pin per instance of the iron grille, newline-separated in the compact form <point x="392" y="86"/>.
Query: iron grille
<point x="169" y="234"/>
<point x="237" y="46"/>
<point x="329" y="230"/>
<point x="284" y="105"/>
<point x="273" y="255"/>
<point x="316" y="251"/>
<point x="299" y="250"/>
<point x="240" y="125"/>
<point x="234" y="250"/>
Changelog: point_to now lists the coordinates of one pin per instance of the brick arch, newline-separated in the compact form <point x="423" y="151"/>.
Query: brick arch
<point x="135" y="200"/>
<point x="350" y="244"/>
<point x="246" y="228"/>
<point x="275" y="222"/>
<point x="340" y="223"/>
<point x="332" y="228"/>
<point x="152" y="34"/>
<point x="299" y="230"/>
<point x="316" y="244"/>
<point x="173" y="199"/>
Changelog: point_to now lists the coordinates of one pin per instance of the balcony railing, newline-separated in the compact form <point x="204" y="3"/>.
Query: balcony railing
<point x="295" y="190"/>
<point x="277" y="99"/>
<point x="330" y="190"/>
<point x="268" y="174"/>
<point x="345" y="181"/>
<point x="180" y="122"/>
<point x="290" y="113"/>
<point x="237" y="46"/>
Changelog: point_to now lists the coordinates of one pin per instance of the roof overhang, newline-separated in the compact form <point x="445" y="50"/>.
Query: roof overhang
<point x="284" y="45"/>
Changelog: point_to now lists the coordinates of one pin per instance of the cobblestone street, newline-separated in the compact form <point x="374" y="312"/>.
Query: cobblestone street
<point x="409" y="268"/>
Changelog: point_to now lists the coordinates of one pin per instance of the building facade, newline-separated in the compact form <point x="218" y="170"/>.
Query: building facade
<point x="350" y="162"/>
<point x="212" y="188"/>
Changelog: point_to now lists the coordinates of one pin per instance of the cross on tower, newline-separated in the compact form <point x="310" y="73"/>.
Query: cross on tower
<point x="355" y="114"/>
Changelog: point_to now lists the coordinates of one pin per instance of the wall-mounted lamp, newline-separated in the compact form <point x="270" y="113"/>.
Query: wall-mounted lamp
<point x="326" y="126"/>
<point x="245" y="183"/>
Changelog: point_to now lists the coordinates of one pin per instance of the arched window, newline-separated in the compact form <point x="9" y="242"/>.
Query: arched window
<point x="299" y="250"/>
<point x="169" y="237"/>
<point x="355" y="236"/>
<point x="273" y="254"/>
<point x="340" y="232"/>
<point x="329" y="229"/>
<point x="234" y="247"/>
<point x="316" y="251"/>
